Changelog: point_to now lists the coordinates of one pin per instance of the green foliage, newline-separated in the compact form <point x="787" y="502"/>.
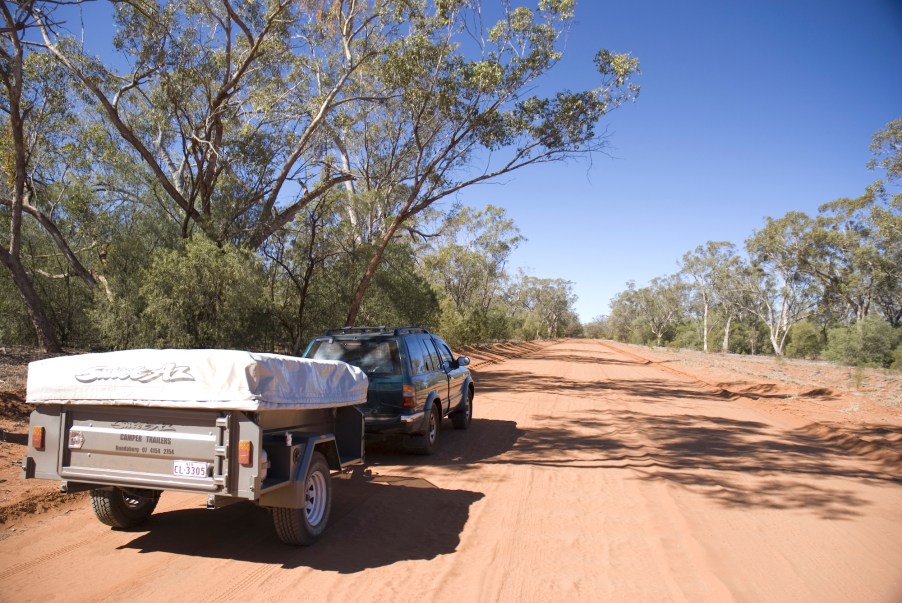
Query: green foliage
<point x="399" y="295"/>
<point x="687" y="335"/>
<point x="887" y="149"/>
<point x="15" y="326"/>
<point x="660" y="306"/>
<point x="782" y="291"/>
<point x="897" y="358"/>
<point x="806" y="340"/>
<point x="131" y="238"/>
<point x="209" y="127"/>
<point x="869" y="342"/>
<point x="710" y="270"/>
<point x="214" y="108"/>
<point x="749" y="337"/>
<point x="117" y="321"/>
<point x="205" y="297"/>
<point x="469" y="325"/>
<point x="542" y="307"/>
<point x="597" y="328"/>
<point x="465" y="262"/>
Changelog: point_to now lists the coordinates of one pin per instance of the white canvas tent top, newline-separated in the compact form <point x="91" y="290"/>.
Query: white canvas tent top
<point x="208" y="379"/>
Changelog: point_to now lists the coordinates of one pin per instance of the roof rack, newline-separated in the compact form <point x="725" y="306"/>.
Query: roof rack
<point x="381" y="329"/>
<point x="406" y="330"/>
<point x="352" y="330"/>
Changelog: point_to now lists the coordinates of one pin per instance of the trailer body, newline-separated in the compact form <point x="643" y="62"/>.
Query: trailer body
<point x="231" y="425"/>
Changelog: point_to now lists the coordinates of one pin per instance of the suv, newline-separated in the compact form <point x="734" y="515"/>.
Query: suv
<point x="414" y="380"/>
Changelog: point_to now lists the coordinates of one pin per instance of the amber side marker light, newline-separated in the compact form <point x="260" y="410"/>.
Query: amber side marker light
<point x="37" y="437"/>
<point x="246" y="453"/>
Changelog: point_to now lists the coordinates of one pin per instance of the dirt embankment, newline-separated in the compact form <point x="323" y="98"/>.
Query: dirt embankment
<point x="858" y="409"/>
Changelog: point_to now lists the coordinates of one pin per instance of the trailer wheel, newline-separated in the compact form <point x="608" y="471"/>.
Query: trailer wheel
<point x="304" y="526"/>
<point x="120" y="509"/>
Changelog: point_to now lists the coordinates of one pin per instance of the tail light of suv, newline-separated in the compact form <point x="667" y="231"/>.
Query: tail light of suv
<point x="408" y="396"/>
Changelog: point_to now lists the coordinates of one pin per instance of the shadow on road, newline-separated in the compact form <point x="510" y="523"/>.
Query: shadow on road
<point x="376" y="520"/>
<point x="740" y="464"/>
<point x="647" y="390"/>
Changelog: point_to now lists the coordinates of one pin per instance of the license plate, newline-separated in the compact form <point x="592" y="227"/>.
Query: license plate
<point x="189" y="469"/>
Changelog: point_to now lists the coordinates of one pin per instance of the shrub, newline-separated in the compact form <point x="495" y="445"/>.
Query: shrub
<point x="806" y="341"/>
<point x="16" y="327"/>
<point x="869" y="342"/>
<point x="205" y="296"/>
<point x="688" y="336"/>
<point x="897" y="358"/>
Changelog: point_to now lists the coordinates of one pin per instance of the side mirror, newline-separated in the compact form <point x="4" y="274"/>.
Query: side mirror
<point x="463" y="361"/>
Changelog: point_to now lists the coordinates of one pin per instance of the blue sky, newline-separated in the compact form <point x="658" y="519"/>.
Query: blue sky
<point x="748" y="109"/>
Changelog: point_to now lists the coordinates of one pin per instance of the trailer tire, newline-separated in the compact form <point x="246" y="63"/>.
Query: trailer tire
<point x="304" y="526"/>
<point x="120" y="509"/>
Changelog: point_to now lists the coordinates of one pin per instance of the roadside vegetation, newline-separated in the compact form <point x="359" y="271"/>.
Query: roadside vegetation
<point x="249" y="174"/>
<point x="827" y="286"/>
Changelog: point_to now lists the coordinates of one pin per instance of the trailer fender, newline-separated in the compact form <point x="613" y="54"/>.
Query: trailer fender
<point x="291" y="493"/>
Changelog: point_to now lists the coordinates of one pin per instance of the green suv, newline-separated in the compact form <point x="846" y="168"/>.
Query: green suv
<point x="414" y="380"/>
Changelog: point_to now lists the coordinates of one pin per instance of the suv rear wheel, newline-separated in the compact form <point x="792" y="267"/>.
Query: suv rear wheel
<point x="430" y="438"/>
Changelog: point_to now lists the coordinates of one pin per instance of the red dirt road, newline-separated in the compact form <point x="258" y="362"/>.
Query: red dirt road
<point x="587" y="475"/>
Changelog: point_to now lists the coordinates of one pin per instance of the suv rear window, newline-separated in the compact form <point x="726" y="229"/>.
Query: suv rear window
<point x="374" y="357"/>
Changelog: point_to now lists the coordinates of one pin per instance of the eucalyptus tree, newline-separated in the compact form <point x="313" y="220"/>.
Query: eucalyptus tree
<point x="779" y="289"/>
<point x="544" y="306"/>
<point x="886" y="146"/>
<point x="886" y="218"/>
<point x="40" y="165"/>
<point x="736" y="297"/>
<point x="855" y="250"/>
<point x="621" y="322"/>
<point x="661" y="304"/>
<point x="887" y="222"/>
<point x="710" y="268"/>
<point x="300" y="254"/>
<point x="223" y="104"/>
<point x="468" y="255"/>
<point x="457" y="107"/>
<point x="843" y="257"/>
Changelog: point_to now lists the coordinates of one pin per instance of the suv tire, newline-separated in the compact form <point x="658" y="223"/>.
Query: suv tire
<point x="462" y="418"/>
<point x="433" y="427"/>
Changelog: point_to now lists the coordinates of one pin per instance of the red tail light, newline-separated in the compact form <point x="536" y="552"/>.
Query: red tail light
<point x="408" y="396"/>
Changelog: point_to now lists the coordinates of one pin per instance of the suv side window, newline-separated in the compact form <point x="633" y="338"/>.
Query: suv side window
<point x="418" y="356"/>
<point x="432" y="360"/>
<point x="444" y="352"/>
